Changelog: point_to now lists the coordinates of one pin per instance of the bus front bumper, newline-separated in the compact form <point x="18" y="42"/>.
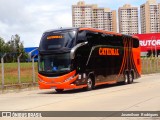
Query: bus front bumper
<point x="62" y="82"/>
<point x="59" y="86"/>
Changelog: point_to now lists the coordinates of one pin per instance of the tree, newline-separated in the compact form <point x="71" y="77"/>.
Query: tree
<point x="13" y="48"/>
<point x="2" y="46"/>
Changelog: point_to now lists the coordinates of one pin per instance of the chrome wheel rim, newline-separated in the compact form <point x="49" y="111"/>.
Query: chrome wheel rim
<point x="89" y="83"/>
<point x="126" y="79"/>
<point x="130" y="78"/>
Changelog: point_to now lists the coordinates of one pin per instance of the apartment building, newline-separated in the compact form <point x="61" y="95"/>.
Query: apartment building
<point x="85" y="15"/>
<point x="128" y="19"/>
<point x="150" y="17"/>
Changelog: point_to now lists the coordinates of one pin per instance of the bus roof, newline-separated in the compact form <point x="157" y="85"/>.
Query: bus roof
<point x="90" y="29"/>
<point x="61" y="29"/>
<point x="106" y="32"/>
<point x="101" y="31"/>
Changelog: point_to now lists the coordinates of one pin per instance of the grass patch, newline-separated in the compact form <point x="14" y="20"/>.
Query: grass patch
<point x="11" y="73"/>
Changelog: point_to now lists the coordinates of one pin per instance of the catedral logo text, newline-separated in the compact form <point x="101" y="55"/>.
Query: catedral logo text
<point x="108" y="51"/>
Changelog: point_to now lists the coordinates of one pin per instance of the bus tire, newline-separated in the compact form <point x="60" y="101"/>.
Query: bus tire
<point x="59" y="90"/>
<point x="126" y="79"/>
<point x="130" y="78"/>
<point x="90" y="84"/>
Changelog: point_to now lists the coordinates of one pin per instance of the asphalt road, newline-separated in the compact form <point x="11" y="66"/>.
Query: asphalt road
<point x="142" y="95"/>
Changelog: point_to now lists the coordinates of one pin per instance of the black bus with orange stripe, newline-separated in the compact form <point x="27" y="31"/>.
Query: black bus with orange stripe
<point x="85" y="57"/>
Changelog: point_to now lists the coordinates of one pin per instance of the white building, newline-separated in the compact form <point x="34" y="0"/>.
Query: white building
<point x="84" y="15"/>
<point x="128" y="19"/>
<point x="150" y="17"/>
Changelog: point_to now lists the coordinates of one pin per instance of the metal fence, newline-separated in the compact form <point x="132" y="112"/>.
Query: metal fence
<point x="17" y="74"/>
<point x="150" y="65"/>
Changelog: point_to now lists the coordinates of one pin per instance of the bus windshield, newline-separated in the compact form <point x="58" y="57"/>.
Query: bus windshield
<point x="55" y="63"/>
<point x="57" y="40"/>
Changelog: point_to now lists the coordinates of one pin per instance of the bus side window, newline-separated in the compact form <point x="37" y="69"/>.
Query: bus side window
<point x="89" y="36"/>
<point x="135" y="43"/>
<point x="112" y="40"/>
<point x="81" y="37"/>
<point x="94" y="38"/>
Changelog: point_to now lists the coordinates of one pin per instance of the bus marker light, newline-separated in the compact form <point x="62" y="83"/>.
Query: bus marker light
<point x="79" y="77"/>
<point x="84" y="75"/>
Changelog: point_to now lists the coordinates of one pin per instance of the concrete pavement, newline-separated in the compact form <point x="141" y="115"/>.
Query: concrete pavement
<point x="142" y="95"/>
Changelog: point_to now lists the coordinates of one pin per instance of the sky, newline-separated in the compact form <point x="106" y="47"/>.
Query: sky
<point x="30" y="18"/>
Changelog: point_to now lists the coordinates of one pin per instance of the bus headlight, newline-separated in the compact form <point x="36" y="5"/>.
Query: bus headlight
<point x="40" y="80"/>
<point x="68" y="79"/>
<point x="79" y="77"/>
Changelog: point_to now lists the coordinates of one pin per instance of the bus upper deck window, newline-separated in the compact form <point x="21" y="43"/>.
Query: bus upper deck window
<point x="135" y="43"/>
<point x="81" y="36"/>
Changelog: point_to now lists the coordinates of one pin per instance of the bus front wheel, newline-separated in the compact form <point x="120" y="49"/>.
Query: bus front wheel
<point x="90" y="84"/>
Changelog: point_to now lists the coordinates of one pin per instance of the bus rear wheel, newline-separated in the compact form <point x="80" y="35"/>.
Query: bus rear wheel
<point x="59" y="90"/>
<point x="126" y="79"/>
<point x="130" y="78"/>
<point x="90" y="84"/>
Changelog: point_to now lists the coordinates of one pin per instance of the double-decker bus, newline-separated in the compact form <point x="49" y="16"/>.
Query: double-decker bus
<point x="75" y="58"/>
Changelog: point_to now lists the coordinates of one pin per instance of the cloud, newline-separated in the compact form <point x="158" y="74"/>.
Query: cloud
<point x="30" y="18"/>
